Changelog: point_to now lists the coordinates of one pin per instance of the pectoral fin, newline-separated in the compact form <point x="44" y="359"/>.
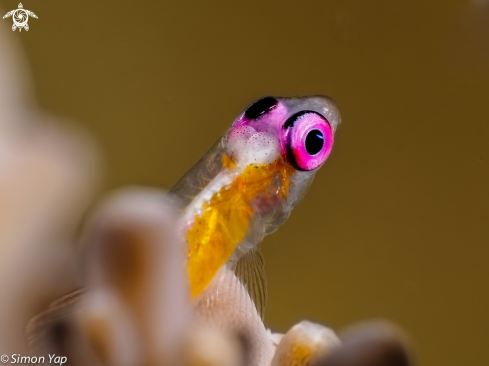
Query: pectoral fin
<point x="250" y="269"/>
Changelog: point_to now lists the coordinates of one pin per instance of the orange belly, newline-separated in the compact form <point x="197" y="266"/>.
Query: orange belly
<point x="226" y="217"/>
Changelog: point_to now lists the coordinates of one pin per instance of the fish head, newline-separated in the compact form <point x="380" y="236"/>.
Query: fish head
<point x="298" y="130"/>
<point x="290" y="139"/>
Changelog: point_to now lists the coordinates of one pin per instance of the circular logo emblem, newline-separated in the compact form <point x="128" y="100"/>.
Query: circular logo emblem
<point x="20" y="18"/>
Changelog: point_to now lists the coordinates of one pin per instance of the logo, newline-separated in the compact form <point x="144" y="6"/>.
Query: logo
<point x="20" y="17"/>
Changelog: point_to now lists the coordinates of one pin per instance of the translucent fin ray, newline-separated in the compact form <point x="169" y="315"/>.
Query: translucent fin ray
<point x="250" y="269"/>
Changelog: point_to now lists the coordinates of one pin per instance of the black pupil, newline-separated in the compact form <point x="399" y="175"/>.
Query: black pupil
<point x="314" y="142"/>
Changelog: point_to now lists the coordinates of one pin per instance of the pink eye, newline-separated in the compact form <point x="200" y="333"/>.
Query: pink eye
<point x="309" y="139"/>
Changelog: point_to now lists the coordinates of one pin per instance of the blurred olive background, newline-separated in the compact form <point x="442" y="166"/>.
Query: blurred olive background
<point x="396" y="223"/>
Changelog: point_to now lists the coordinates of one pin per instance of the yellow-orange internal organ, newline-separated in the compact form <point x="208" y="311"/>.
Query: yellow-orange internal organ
<point x="226" y="217"/>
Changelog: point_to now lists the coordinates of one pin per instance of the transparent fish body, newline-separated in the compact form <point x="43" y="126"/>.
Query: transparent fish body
<point x="247" y="184"/>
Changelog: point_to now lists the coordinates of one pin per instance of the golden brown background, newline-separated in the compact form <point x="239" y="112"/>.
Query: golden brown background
<point x="395" y="225"/>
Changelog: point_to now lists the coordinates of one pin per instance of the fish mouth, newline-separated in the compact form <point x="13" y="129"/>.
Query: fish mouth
<point x="320" y="104"/>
